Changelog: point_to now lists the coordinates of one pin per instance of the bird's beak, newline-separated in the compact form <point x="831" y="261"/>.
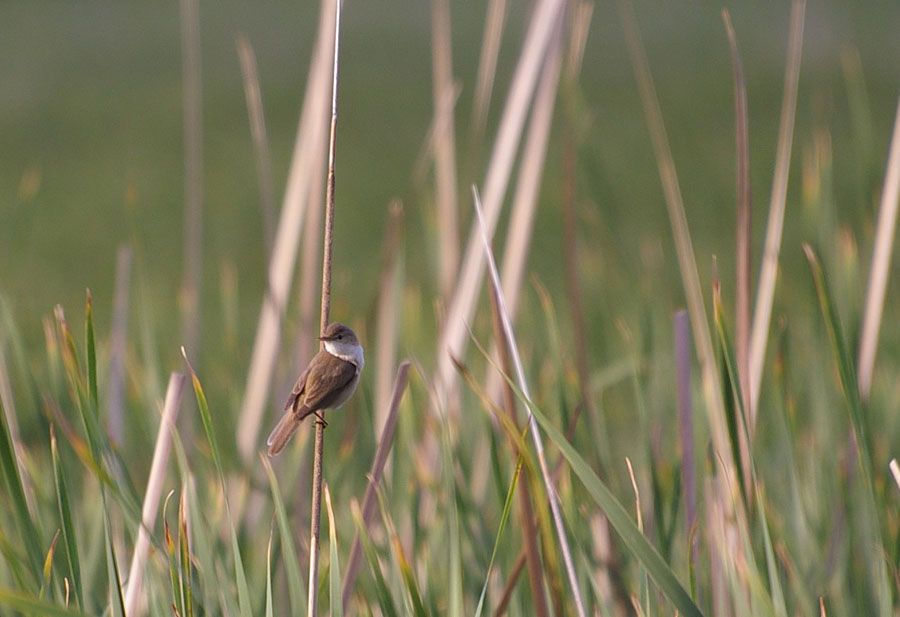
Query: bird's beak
<point x="323" y="338"/>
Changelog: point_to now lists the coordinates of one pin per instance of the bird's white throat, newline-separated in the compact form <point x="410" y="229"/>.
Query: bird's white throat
<point x="349" y="352"/>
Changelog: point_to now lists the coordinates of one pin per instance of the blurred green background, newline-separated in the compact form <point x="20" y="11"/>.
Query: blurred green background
<point x="91" y="133"/>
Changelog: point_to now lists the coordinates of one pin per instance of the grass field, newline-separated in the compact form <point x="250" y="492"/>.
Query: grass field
<point x="666" y="509"/>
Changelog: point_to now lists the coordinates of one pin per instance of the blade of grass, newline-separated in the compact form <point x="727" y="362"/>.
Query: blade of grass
<point x="25" y="524"/>
<point x="334" y="566"/>
<point x="849" y="386"/>
<point x="269" y="607"/>
<point x="70" y="539"/>
<point x="116" y="601"/>
<point x="501" y="527"/>
<point x="881" y="264"/>
<point x="385" y="600"/>
<point x="768" y="273"/>
<point x="381" y="453"/>
<point x="240" y="575"/>
<point x="288" y="548"/>
<point x="21" y="601"/>
<point x="415" y="606"/>
<point x="681" y="235"/>
<point x="639" y="547"/>
<point x="535" y="434"/>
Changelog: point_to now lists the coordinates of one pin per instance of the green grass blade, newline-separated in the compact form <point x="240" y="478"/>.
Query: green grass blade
<point x="116" y="601"/>
<point x="288" y="548"/>
<point x="504" y="518"/>
<point x="239" y="572"/>
<point x="385" y="599"/>
<point x="618" y="517"/>
<point x="334" y="566"/>
<point x="28" y="531"/>
<point x="184" y="554"/>
<point x="91" y="352"/>
<point x="847" y="374"/>
<point x="70" y="540"/>
<point x="416" y="605"/>
<point x="269" y="608"/>
<point x="18" y="600"/>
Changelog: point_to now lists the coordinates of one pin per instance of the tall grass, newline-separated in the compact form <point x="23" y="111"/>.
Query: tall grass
<point x="637" y="495"/>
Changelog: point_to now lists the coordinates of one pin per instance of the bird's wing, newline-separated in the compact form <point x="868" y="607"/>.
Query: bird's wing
<point x="299" y="387"/>
<point x="327" y="377"/>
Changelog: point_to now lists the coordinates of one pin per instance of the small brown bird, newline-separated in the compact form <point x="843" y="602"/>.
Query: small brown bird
<point x="327" y="383"/>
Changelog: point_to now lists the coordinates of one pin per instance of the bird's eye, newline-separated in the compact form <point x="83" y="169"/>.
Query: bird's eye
<point x="340" y="336"/>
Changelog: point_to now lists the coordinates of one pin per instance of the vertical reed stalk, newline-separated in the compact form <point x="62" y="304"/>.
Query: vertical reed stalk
<point x="768" y="272"/>
<point x="743" y="222"/>
<point x="327" y="258"/>
<point x="881" y="264"/>
<point x="526" y="512"/>
<point x="444" y="145"/>
<point x="154" y="490"/>
<point x="193" y="176"/>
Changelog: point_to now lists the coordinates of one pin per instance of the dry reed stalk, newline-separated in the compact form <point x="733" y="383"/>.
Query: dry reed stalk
<point x="742" y="252"/>
<point x="552" y="496"/>
<point x="743" y="248"/>
<point x="487" y="65"/>
<point x="193" y="176"/>
<point x="881" y="264"/>
<point x="526" y="512"/>
<point x="327" y="262"/>
<point x="444" y="145"/>
<point x="378" y="463"/>
<point x="117" y="347"/>
<point x="310" y="140"/>
<point x="544" y="26"/>
<point x="253" y="96"/>
<point x="389" y="316"/>
<point x="155" y="480"/>
<point x="768" y="273"/>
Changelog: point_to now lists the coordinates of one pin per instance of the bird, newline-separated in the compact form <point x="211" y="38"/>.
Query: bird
<point x="329" y="380"/>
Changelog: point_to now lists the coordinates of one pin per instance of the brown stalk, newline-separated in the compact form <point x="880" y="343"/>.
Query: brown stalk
<point x="526" y="512"/>
<point x="444" y="145"/>
<point x="743" y="223"/>
<point x="193" y="174"/>
<point x="487" y="65"/>
<point x="742" y="250"/>
<point x="327" y="259"/>
<point x="381" y="455"/>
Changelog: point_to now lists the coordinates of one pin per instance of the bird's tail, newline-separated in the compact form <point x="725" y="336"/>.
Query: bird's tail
<point x="283" y="432"/>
